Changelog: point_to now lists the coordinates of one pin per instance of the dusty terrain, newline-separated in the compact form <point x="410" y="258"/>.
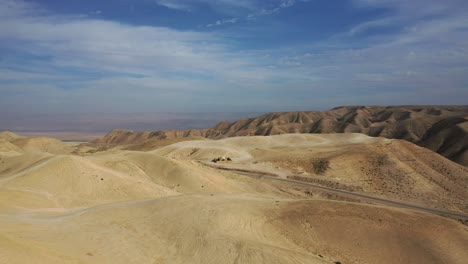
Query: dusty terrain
<point x="169" y="203"/>
<point x="443" y="129"/>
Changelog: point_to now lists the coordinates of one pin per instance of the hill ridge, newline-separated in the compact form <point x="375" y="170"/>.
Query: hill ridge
<point x="442" y="129"/>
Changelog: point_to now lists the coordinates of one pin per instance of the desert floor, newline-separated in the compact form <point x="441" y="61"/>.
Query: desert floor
<point x="61" y="203"/>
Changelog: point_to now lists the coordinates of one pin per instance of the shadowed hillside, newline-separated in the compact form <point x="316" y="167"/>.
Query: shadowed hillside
<point x="442" y="129"/>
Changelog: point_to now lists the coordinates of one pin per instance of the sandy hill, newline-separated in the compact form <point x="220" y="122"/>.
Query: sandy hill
<point x="12" y="144"/>
<point x="442" y="129"/>
<point x="173" y="205"/>
<point x="8" y="149"/>
<point x="152" y="143"/>
<point x="8" y="136"/>
<point x="232" y="229"/>
<point x="42" y="144"/>
<point x="122" y="137"/>
<point x="389" y="168"/>
<point x="66" y="181"/>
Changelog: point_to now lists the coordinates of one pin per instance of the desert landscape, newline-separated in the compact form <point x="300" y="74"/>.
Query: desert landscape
<point x="233" y="132"/>
<point x="277" y="198"/>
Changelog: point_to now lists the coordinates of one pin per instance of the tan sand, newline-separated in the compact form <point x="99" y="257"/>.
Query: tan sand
<point x="171" y="206"/>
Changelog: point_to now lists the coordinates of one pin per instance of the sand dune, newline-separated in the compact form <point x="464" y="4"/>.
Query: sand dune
<point x="172" y="205"/>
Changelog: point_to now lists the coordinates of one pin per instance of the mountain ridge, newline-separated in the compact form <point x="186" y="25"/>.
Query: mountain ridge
<point x="442" y="129"/>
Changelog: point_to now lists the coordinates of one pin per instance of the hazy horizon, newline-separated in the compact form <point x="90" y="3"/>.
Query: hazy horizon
<point x="89" y="123"/>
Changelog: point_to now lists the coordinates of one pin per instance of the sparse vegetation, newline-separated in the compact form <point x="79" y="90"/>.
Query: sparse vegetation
<point x="320" y="165"/>
<point x="221" y="159"/>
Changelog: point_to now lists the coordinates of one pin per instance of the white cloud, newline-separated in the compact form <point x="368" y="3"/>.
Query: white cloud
<point x="174" y="5"/>
<point x="150" y="68"/>
<point x="167" y="62"/>
<point x="379" y="23"/>
<point x="99" y="44"/>
<point x="404" y="13"/>
<point x="13" y="8"/>
<point x="270" y="11"/>
<point x="223" y="22"/>
<point x="222" y="6"/>
<point x="259" y="11"/>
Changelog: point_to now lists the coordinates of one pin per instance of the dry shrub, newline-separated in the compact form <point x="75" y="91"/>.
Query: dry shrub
<point x="320" y="165"/>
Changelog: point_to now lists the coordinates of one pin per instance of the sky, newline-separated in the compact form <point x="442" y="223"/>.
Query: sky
<point x="131" y="56"/>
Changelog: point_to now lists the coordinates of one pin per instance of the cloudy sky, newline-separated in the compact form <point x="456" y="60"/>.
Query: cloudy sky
<point x="230" y="55"/>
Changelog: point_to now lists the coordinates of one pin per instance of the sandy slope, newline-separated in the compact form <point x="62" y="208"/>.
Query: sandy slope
<point x="233" y="229"/>
<point x="8" y="149"/>
<point x="42" y="144"/>
<point x="388" y="168"/>
<point x="8" y="136"/>
<point x="168" y="206"/>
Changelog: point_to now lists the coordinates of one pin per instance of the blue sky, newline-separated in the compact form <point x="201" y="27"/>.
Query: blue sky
<point x="230" y="56"/>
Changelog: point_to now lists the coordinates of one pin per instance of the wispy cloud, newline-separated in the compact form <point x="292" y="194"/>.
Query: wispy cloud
<point x="270" y="11"/>
<point x="219" y="5"/>
<point x="223" y="22"/>
<point x="55" y="62"/>
<point x="404" y="13"/>
<point x="99" y="61"/>
<point x="177" y="5"/>
<point x="258" y="11"/>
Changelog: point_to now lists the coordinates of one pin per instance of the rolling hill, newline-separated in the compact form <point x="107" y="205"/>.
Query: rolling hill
<point x="172" y="204"/>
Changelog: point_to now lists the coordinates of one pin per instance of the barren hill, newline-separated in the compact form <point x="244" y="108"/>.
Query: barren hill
<point x="394" y="169"/>
<point x="173" y="205"/>
<point x="122" y="137"/>
<point x="13" y="144"/>
<point x="224" y="228"/>
<point x="442" y="129"/>
<point x="8" y="136"/>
